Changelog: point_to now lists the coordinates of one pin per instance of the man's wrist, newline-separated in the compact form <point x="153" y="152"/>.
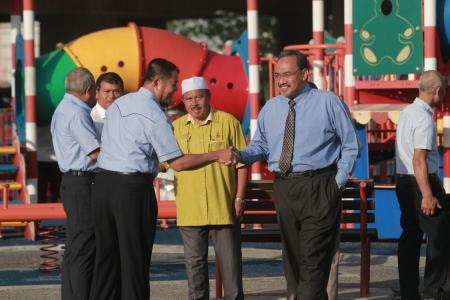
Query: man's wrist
<point x="239" y="200"/>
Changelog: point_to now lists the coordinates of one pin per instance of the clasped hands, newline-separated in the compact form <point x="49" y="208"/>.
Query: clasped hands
<point x="228" y="157"/>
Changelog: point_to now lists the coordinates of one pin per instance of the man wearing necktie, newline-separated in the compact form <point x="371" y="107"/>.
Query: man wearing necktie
<point x="309" y="142"/>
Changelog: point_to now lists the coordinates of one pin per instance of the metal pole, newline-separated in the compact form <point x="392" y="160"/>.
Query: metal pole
<point x="349" y="79"/>
<point x="429" y="22"/>
<point x="253" y="77"/>
<point x="446" y="144"/>
<point x="16" y="9"/>
<point x="30" y="98"/>
<point x="318" y="36"/>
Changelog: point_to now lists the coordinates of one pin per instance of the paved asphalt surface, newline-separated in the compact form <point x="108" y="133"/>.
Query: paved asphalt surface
<point x="20" y="277"/>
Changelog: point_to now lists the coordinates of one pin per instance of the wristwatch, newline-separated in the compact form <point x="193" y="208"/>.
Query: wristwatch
<point x="341" y="188"/>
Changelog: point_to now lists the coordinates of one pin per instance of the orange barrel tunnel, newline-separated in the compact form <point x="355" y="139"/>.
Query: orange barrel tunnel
<point x="127" y="51"/>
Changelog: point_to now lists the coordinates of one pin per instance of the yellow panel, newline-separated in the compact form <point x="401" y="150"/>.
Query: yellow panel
<point x="13" y="185"/>
<point x="13" y="224"/>
<point x="7" y="150"/>
<point x="109" y="50"/>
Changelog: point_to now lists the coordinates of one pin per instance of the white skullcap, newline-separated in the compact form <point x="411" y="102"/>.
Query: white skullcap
<point x="193" y="83"/>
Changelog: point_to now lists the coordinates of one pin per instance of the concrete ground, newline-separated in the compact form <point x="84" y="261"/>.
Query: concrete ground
<point x="262" y="270"/>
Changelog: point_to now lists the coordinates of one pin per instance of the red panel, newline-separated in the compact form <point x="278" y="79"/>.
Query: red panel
<point x="224" y="74"/>
<point x="386" y="96"/>
<point x="188" y="55"/>
<point x="228" y="83"/>
<point x="387" y="84"/>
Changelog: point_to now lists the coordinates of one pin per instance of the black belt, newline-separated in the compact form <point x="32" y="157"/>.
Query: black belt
<point x="309" y="173"/>
<point x="80" y="173"/>
<point x="140" y="174"/>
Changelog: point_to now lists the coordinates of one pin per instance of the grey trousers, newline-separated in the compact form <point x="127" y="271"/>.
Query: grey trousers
<point x="227" y="245"/>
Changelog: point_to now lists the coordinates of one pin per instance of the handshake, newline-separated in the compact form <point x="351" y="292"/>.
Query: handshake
<point x="228" y="157"/>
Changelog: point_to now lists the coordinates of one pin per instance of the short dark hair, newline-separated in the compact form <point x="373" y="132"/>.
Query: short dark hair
<point x="159" y="67"/>
<point x="109" y="77"/>
<point x="302" y="61"/>
<point x="312" y="85"/>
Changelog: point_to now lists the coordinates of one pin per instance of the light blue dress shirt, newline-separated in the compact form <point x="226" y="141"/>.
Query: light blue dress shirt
<point x="324" y="134"/>
<point x="73" y="135"/>
<point x="137" y="135"/>
<point x="416" y="129"/>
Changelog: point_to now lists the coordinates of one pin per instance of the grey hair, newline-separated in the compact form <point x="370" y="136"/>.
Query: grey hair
<point x="431" y="80"/>
<point x="79" y="80"/>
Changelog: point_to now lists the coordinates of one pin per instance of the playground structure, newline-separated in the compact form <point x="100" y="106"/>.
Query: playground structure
<point x="374" y="72"/>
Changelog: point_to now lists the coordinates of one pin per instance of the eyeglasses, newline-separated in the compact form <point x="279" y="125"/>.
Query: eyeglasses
<point x="278" y="76"/>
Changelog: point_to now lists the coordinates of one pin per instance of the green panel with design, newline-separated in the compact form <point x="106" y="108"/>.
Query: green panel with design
<point x="387" y="37"/>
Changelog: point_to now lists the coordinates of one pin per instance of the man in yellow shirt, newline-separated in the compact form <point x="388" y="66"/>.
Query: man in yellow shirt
<point x="209" y="199"/>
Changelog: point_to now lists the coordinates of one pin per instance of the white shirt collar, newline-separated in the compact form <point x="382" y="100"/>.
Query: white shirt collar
<point x="101" y="111"/>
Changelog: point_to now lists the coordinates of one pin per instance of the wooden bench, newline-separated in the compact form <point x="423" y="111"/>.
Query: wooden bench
<point x="358" y="211"/>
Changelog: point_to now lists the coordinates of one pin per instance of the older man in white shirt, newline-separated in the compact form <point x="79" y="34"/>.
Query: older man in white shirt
<point x="420" y="193"/>
<point x="109" y="87"/>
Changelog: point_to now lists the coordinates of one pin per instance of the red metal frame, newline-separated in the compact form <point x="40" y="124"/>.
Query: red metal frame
<point x="365" y="243"/>
<point x="6" y="125"/>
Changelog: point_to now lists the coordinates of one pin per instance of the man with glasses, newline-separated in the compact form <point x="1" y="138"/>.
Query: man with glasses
<point x="209" y="199"/>
<point x="309" y="141"/>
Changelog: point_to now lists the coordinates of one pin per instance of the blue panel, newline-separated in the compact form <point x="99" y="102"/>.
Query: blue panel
<point x="387" y="213"/>
<point x="240" y="47"/>
<point x="20" y="89"/>
<point x="362" y="164"/>
<point x="443" y="26"/>
<point x="441" y="163"/>
<point x="8" y="168"/>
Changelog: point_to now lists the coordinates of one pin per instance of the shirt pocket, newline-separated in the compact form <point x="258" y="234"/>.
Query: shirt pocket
<point x="215" y="145"/>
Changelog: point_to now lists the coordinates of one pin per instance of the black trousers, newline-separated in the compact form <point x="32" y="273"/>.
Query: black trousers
<point x="227" y="245"/>
<point x="79" y="253"/>
<point x="308" y="210"/>
<point x="414" y="224"/>
<point x="125" y="212"/>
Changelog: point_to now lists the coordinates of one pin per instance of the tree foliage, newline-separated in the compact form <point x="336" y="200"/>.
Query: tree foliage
<point x="224" y="26"/>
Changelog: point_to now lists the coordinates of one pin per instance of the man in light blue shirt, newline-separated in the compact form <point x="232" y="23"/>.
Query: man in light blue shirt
<point x="309" y="141"/>
<point x="420" y="193"/>
<point x="77" y="147"/>
<point x="136" y="137"/>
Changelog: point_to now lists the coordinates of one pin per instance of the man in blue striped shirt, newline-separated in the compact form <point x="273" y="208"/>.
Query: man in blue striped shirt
<point x="312" y="154"/>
